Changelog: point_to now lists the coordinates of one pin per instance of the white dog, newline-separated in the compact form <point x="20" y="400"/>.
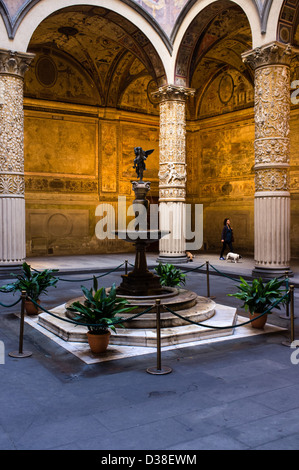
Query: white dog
<point x="233" y="257"/>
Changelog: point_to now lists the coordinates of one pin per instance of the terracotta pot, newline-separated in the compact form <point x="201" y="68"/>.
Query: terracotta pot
<point x="31" y="308"/>
<point x="260" y="322"/>
<point x="98" y="343"/>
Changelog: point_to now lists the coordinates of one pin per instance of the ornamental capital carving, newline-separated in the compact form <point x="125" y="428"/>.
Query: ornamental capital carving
<point x="173" y="93"/>
<point x="14" y="63"/>
<point x="275" y="53"/>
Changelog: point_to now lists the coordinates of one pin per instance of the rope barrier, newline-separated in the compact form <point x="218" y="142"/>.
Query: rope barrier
<point x="158" y="370"/>
<point x="91" y="278"/>
<point x="68" y="320"/>
<point x="226" y="327"/>
<point x="11" y="305"/>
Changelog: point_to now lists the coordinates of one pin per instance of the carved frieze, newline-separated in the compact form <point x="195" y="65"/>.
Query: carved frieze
<point x="272" y="115"/>
<point x="62" y="184"/>
<point x="12" y="185"/>
<point x="173" y="174"/>
<point x="11" y="136"/>
<point x="272" y="101"/>
<point x="272" y="150"/>
<point x="272" y="179"/>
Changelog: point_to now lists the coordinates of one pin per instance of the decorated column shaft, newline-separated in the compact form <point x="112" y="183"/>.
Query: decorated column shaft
<point x="12" y="188"/>
<point x="172" y="174"/>
<point x="271" y="64"/>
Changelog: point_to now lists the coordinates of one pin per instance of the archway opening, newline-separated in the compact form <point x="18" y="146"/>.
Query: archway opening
<point x="220" y="131"/>
<point x="88" y="103"/>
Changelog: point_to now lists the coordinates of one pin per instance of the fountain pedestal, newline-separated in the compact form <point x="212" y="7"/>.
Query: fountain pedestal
<point x="140" y="282"/>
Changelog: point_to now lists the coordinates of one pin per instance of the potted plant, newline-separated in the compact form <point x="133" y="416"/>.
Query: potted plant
<point x="259" y="297"/>
<point x="99" y="313"/>
<point x="34" y="283"/>
<point x="169" y="275"/>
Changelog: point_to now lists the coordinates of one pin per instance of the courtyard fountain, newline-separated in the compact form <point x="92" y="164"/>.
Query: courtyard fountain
<point x="142" y="289"/>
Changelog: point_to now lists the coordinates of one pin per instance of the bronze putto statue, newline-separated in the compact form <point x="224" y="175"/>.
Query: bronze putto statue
<point x="139" y="161"/>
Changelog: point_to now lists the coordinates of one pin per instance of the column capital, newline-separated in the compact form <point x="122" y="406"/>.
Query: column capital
<point x="14" y="63"/>
<point x="173" y="93"/>
<point x="274" y="53"/>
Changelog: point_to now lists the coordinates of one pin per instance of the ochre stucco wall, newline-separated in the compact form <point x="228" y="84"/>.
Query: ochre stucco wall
<point x="75" y="162"/>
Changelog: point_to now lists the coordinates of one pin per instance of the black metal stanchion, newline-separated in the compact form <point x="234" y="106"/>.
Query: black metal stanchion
<point x="126" y="266"/>
<point x="208" y="280"/>
<point x="287" y="312"/>
<point x="21" y="353"/>
<point x="158" y="370"/>
<point x="292" y="324"/>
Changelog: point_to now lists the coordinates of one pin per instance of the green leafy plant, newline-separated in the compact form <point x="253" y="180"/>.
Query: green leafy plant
<point x="99" y="310"/>
<point x="33" y="282"/>
<point x="258" y="296"/>
<point x="170" y="276"/>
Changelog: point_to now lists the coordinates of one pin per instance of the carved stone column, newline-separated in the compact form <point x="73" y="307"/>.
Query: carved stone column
<point x="12" y="199"/>
<point x="271" y="64"/>
<point x="172" y="174"/>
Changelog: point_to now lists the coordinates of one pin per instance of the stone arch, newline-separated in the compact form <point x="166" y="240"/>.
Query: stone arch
<point x="195" y="32"/>
<point x="148" y="36"/>
<point x="288" y="22"/>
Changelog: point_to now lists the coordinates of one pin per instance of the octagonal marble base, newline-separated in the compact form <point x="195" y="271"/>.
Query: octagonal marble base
<point x="147" y="337"/>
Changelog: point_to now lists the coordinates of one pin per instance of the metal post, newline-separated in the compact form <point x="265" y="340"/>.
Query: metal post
<point x="208" y="280"/>
<point x="159" y="370"/>
<point x="292" y="327"/>
<point x="126" y="266"/>
<point x="292" y="313"/>
<point x="287" y="313"/>
<point x="21" y="353"/>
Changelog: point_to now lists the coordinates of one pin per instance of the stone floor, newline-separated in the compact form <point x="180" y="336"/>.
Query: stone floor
<point x="236" y="392"/>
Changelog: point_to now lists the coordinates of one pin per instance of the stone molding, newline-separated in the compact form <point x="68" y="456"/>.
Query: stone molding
<point x="14" y="63"/>
<point x="173" y="93"/>
<point x="275" y="53"/>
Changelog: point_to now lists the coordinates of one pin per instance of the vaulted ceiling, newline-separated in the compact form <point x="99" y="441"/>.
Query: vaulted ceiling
<point x="107" y="50"/>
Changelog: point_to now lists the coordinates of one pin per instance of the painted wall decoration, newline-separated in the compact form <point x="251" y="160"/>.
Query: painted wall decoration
<point x="165" y="12"/>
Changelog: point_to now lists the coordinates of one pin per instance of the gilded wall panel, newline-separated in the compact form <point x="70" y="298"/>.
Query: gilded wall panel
<point x="227" y="152"/>
<point x="64" y="146"/>
<point x="134" y="135"/>
<point x="193" y="162"/>
<point x="109" y="167"/>
<point x="56" y="230"/>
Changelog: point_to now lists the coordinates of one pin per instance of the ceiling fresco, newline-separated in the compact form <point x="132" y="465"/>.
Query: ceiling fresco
<point x="217" y="72"/>
<point x="94" y="57"/>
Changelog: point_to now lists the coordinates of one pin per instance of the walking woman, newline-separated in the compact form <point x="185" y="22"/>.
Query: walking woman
<point x="227" y="237"/>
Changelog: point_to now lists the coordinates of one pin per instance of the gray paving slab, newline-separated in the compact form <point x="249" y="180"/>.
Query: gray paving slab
<point x="226" y="396"/>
